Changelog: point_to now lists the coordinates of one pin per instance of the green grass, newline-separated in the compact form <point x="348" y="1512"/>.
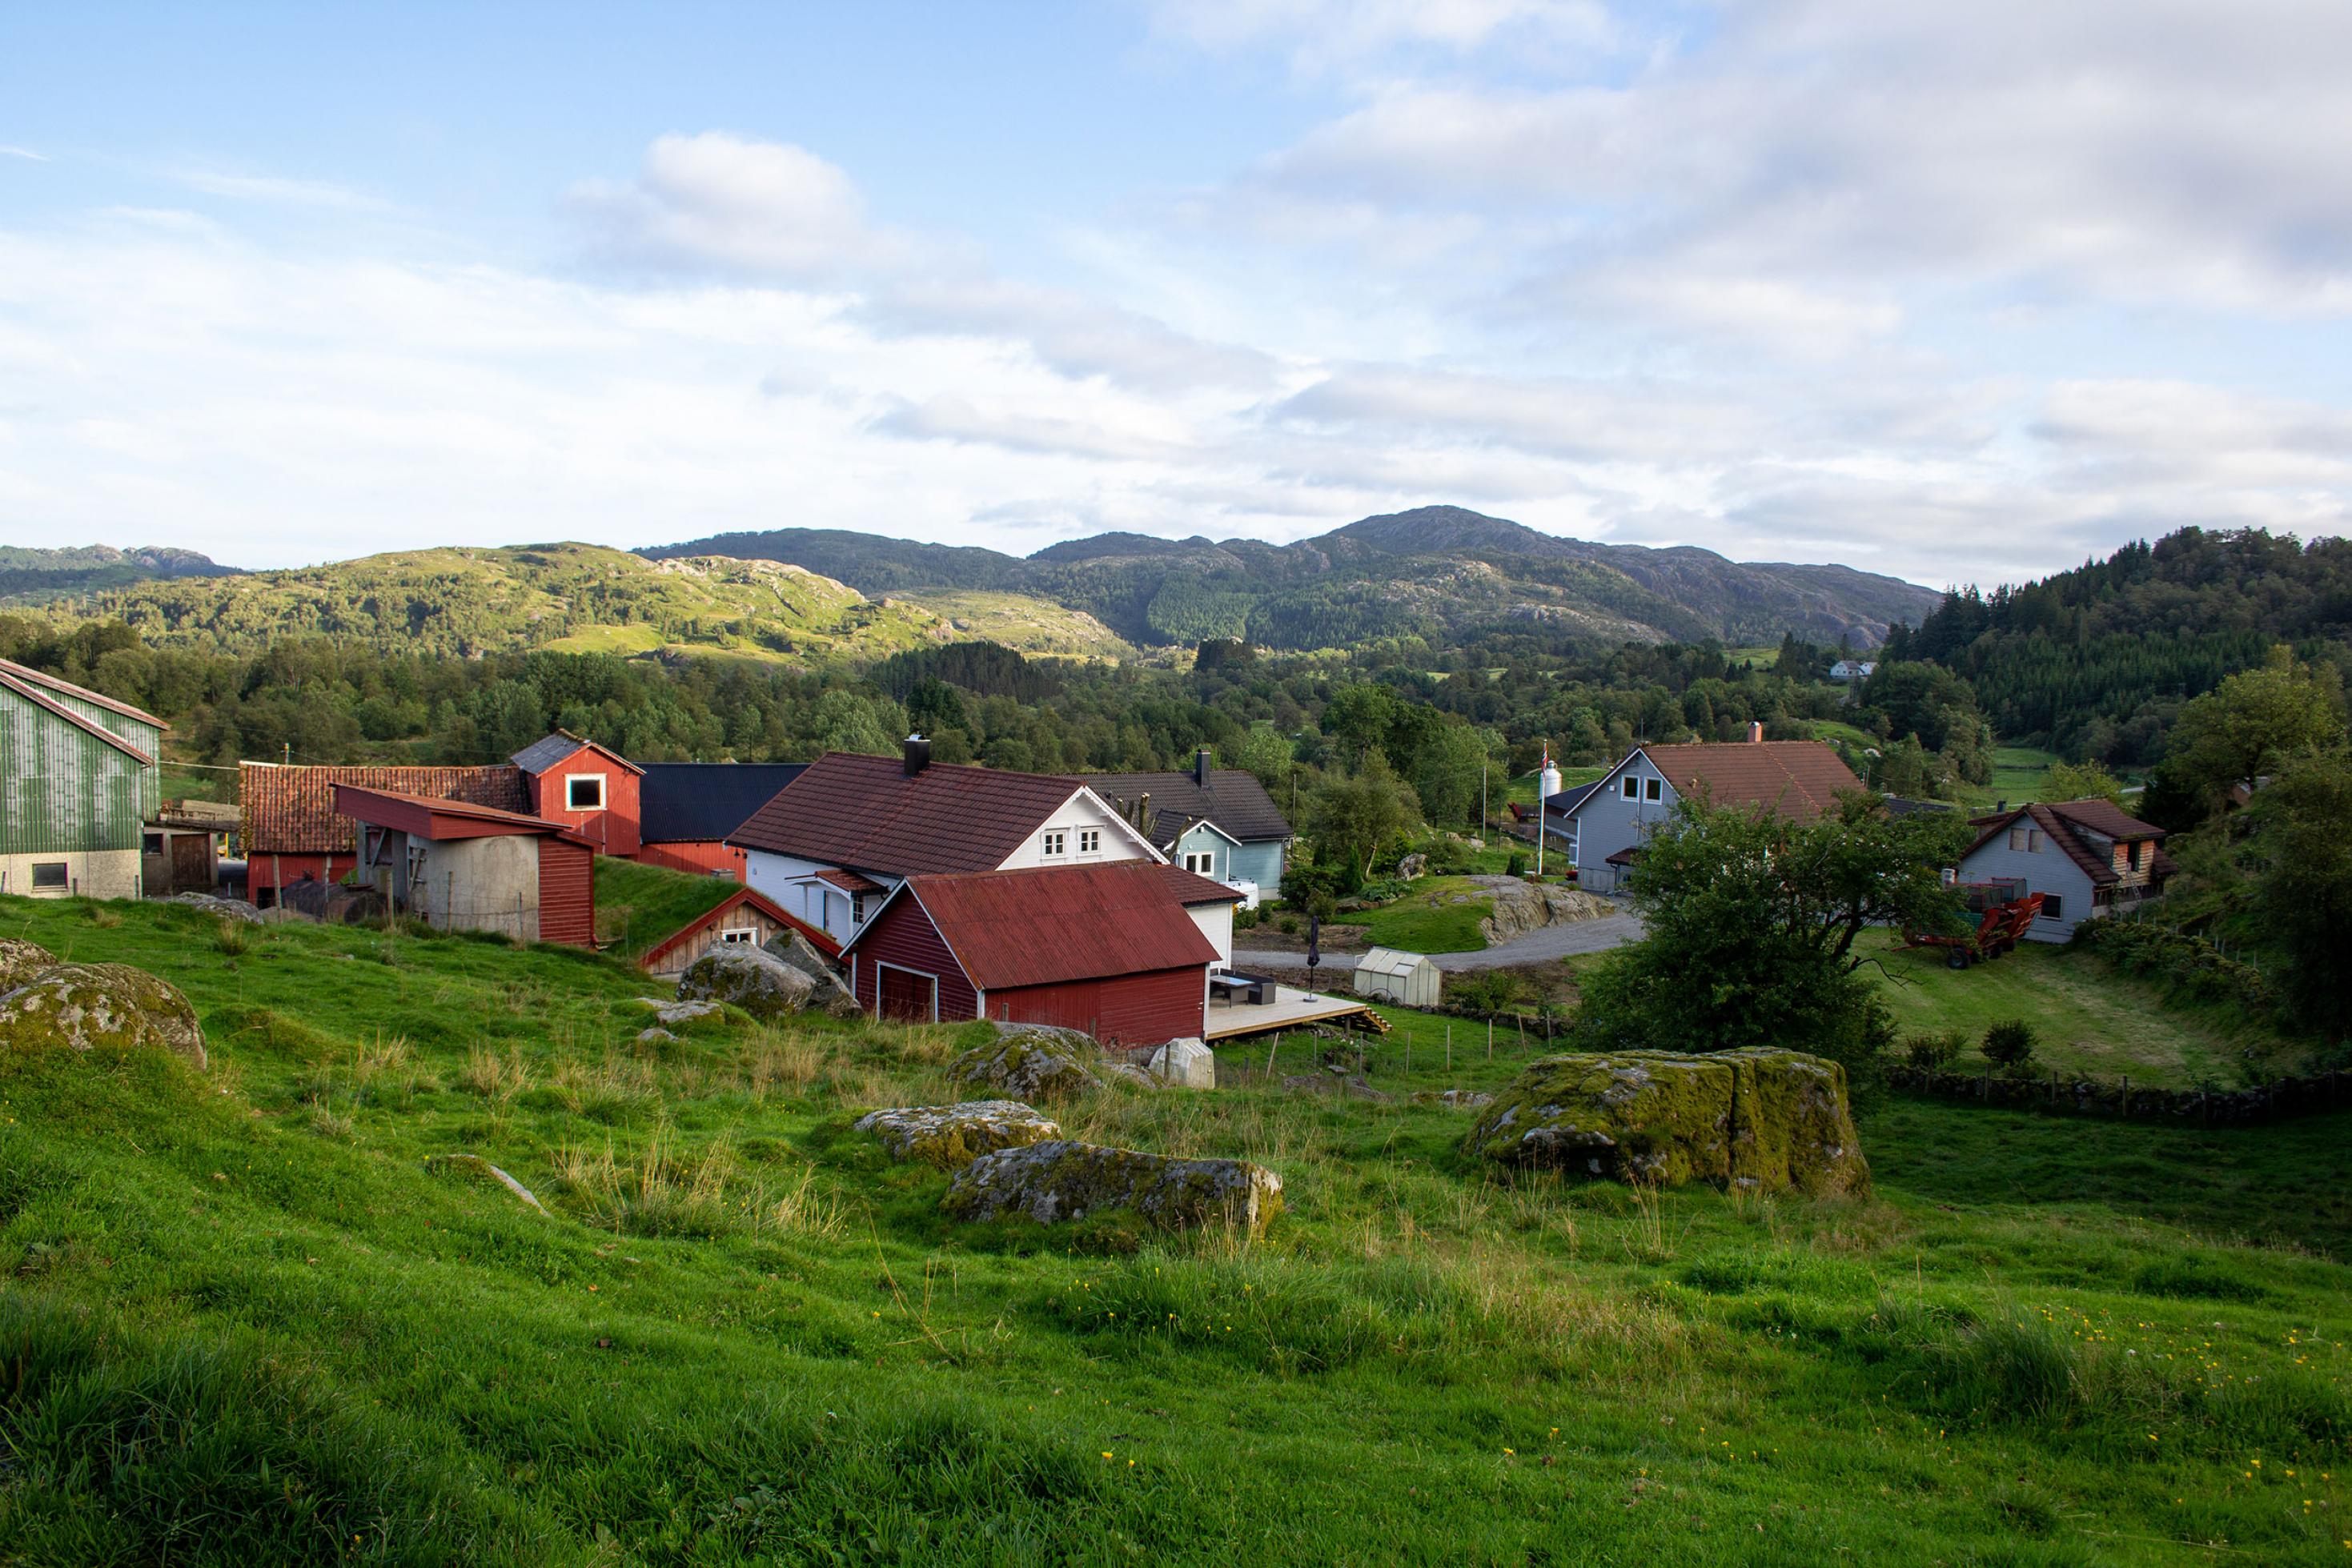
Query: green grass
<point x="2087" y="1019"/>
<point x="640" y="905"/>
<point x="1440" y="914"/>
<point x="241" y="1320"/>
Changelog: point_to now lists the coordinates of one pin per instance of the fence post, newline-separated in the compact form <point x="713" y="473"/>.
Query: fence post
<point x="1490" y="1040"/>
<point x="1449" y="1045"/>
<point x="1270" y="1049"/>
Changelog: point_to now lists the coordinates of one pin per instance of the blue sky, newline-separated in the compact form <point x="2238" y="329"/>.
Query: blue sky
<point x="1957" y="292"/>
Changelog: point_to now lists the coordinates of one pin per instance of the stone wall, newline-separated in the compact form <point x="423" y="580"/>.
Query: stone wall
<point x="2125" y="1101"/>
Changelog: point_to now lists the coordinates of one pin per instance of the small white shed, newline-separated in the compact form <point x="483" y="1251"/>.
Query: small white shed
<point x="1390" y="974"/>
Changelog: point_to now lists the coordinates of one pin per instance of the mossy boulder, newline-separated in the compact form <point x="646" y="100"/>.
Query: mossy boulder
<point x="20" y="961"/>
<point x="1032" y="1061"/>
<point x="83" y="1007"/>
<point x="1754" y="1120"/>
<point x="1063" y="1180"/>
<point x="832" y="996"/>
<point x="758" y="982"/>
<point x="953" y="1137"/>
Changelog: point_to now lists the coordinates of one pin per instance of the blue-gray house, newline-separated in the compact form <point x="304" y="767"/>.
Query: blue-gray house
<point x="2088" y="859"/>
<point x="1217" y="821"/>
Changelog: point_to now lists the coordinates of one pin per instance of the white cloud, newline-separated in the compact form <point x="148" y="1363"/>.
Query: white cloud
<point x="278" y="189"/>
<point x="25" y="153"/>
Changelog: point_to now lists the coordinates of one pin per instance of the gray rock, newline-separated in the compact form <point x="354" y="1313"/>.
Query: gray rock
<point x="655" y="1036"/>
<point x="1413" y="867"/>
<point x="1060" y="1180"/>
<point x="1032" y="1061"/>
<point x="1519" y="908"/>
<point x="1466" y="1099"/>
<point x="953" y="1137"/>
<point x="667" y="1013"/>
<point x="82" y="1007"/>
<point x="233" y="908"/>
<point x="758" y="982"/>
<point x="832" y="996"/>
<point x="1187" y="1062"/>
<point x="21" y="960"/>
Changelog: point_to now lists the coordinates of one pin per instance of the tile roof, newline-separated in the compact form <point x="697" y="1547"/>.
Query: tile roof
<point x="1232" y="799"/>
<point x="866" y="811"/>
<point x="849" y="880"/>
<point x="39" y="696"/>
<point x="681" y="802"/>
<point x="1800" y="780"/>
<point x="1055" y="923"/>
<point x="1190" y="887"/>
<point x="545" y="753"/>
<point x="2059" y="822"/>
<point x="290" y="810"/>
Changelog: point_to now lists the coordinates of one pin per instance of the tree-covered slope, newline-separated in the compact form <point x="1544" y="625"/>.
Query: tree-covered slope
<point x="31" y="576"/>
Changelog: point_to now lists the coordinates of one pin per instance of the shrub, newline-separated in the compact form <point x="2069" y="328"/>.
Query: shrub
<point x="1385" y="890"/>
<point x="1934" y="1052"/>
<point x="2009" y="1043"/>
<point x="1517" y="865"/>
<point x="1246" y="919"/>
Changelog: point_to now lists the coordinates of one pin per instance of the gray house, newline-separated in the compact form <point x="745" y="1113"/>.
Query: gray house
<point x="2086" y="858"/>
<point x="1218" y="822"/>
<point x="1600" y="826"/>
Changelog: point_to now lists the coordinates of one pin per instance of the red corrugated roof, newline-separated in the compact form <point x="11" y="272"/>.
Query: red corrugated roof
<point x="1800" y="780"/>
<point x="354" y="800"/>
<point x="1055" y="924"/>
<point x="291" y="810"/>
<point x="866" y="812"/>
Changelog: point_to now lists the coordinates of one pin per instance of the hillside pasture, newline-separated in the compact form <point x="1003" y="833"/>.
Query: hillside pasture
<point x="247" y="1316"/>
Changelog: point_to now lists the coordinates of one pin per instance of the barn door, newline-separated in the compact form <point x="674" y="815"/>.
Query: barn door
<point x="907" y="997"/>
<point x="191" y="862"/>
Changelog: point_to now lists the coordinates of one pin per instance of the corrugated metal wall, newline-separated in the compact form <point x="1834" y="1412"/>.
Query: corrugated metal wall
<point x="62" y="788"/>
<point x="567" y="893"/>
<point x="1130" y="1010"/>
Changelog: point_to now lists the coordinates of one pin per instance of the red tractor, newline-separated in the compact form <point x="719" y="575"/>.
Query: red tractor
<point x="2007" y="912"/>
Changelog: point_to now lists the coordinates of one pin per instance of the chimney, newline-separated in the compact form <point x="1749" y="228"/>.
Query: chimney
<point x="917" y="756"/>
<point x="2000" y="806"/>
<point x="1201" y="768"/>
<point x="1756" y="733"/>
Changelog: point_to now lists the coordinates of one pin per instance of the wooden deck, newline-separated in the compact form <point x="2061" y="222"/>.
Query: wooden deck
<point x="1289" y="1009"/>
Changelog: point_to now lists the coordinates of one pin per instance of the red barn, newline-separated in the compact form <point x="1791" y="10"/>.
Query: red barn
<point x="454" y="865"/>
<point x="588" y="788"/>
<point x="1109" y="948"/>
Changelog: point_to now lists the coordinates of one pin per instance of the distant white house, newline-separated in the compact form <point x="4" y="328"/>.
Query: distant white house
<point x="1851" y="669"/>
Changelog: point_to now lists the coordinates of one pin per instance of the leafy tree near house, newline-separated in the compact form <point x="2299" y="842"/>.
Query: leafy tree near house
<point x="2082" y="781"/>
<point x="2303" y="853"/>
<point x="1266" y="752"/>
<point x="1354" y="817"/>
<point x="1752" y="922"/>
<point x="2254" y="721"/>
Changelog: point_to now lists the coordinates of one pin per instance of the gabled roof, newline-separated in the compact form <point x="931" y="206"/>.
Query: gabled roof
<point x="1055" y="923"/>
<point x="868" y="812"/>
<point x="1565" y="803"/>
<point x="291" y="810"/>
<point x="1232" y="799"/>
<point x="39" y="694"/>
<point x="1799" y="780"/>
<point x="32" y="676"/>
<point x="548" y="750"/>
<point x="2059" y="823"/>
<point x="821" y="940"/>
<point x="432" y="817"/>
<point x="684" y="802"/>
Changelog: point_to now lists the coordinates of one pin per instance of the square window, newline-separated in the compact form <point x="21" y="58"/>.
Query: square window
<point x="2052" y="908"/>
<point x="48" y="873"/>
<point x="1200" y="862"/>
<point x="583" y="792"/>
<point x="1056" y="842"/>
<point x="1632" y="788"/>
<point x="150" y="843"/>
<point x="1657" y="789"/>
<point x="1090" y="841"/>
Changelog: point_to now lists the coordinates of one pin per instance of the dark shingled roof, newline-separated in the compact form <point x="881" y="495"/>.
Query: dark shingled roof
<point x="2059" y="822"/>
<point x="546" y="752"/>
<point x="1055" y="924"/>
<point x="1232" y="799"/>
<point x="1190" y="887"/>
<point x="290" y="810"/>
<point x="684" y="802"/>
<point x="868" y="812"/>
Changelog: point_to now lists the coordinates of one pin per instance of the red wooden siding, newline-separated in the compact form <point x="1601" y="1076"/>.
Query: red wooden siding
<point x="1126" y="1009"/>
<point x="902" y="935"/>
<point x="567" y="893"/>
<point x="700" y="856"/>
<point x="614" y="829"/>
<point x="263" y="872"/>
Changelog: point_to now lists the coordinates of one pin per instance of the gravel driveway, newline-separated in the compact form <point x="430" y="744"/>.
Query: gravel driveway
<point x="1537" y="947"/>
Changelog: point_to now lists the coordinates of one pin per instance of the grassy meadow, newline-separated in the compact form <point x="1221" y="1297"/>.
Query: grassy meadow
<point x="249" y="1316"/>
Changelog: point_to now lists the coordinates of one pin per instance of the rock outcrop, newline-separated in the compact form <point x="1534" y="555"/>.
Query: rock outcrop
<point x="758" y="982"/>
<point x="953" y="1137"/>
<point x="83" y="1007"/>
<point x="1186" y="1062"/>
<point x="20" y="961"/>
<point x="1060" y="1180"/>
<point x="1754" y="1120"/>
<point x="1032" y="1061"/>
<point x="832" y="996"/>
<point x="1521" y="907"/>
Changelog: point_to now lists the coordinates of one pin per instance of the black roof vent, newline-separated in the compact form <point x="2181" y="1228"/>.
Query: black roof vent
<point x="917" y="756"/>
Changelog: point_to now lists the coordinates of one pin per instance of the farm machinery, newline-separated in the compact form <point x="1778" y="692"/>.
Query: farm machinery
<point x="2005" y="912"/>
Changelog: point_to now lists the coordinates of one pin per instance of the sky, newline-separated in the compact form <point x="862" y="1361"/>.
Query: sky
<point x="1959" y="292"/>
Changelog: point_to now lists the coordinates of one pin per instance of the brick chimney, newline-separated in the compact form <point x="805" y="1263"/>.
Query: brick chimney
<point x="1756" y="733"/>
<point x="917" y="756"/>
<point x="1201" y="768"/>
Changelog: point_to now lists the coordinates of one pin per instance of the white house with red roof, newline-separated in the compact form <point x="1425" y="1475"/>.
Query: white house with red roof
<point x="850" y="829"/>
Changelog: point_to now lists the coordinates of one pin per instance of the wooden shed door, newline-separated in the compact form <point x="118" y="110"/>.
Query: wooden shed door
<point x="907" y="997"/>
<point x="191" y="862"/>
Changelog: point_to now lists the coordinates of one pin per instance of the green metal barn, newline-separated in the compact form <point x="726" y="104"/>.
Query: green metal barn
<point x="79" y="781"/>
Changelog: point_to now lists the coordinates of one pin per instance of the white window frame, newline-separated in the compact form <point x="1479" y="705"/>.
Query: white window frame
<point x="2054" y="906"/>
<point x="1654" y="788"/>
<point x="740" y="936"/>
<point x="1632" y="788"/>
<point x="1053" y="843"/>
<point x="1090" y="841"/>
<point x="571" y="782"/>
<point x="63" y="870"/>
<point x="1200" y="862"/>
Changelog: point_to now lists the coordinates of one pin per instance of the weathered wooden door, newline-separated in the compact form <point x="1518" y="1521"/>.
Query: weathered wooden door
<point x="907" y="997"/>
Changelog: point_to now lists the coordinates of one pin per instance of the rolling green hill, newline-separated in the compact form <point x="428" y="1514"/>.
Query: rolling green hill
<point x="567" y="597"/>
<point x="29" y="576"/>
<point x="1429" y="570"/>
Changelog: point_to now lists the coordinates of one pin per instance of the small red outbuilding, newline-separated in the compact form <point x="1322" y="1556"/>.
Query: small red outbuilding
<point x="589" y="788"/>
<point x="458" y="865"/>
<point x="1109" y="948"/>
